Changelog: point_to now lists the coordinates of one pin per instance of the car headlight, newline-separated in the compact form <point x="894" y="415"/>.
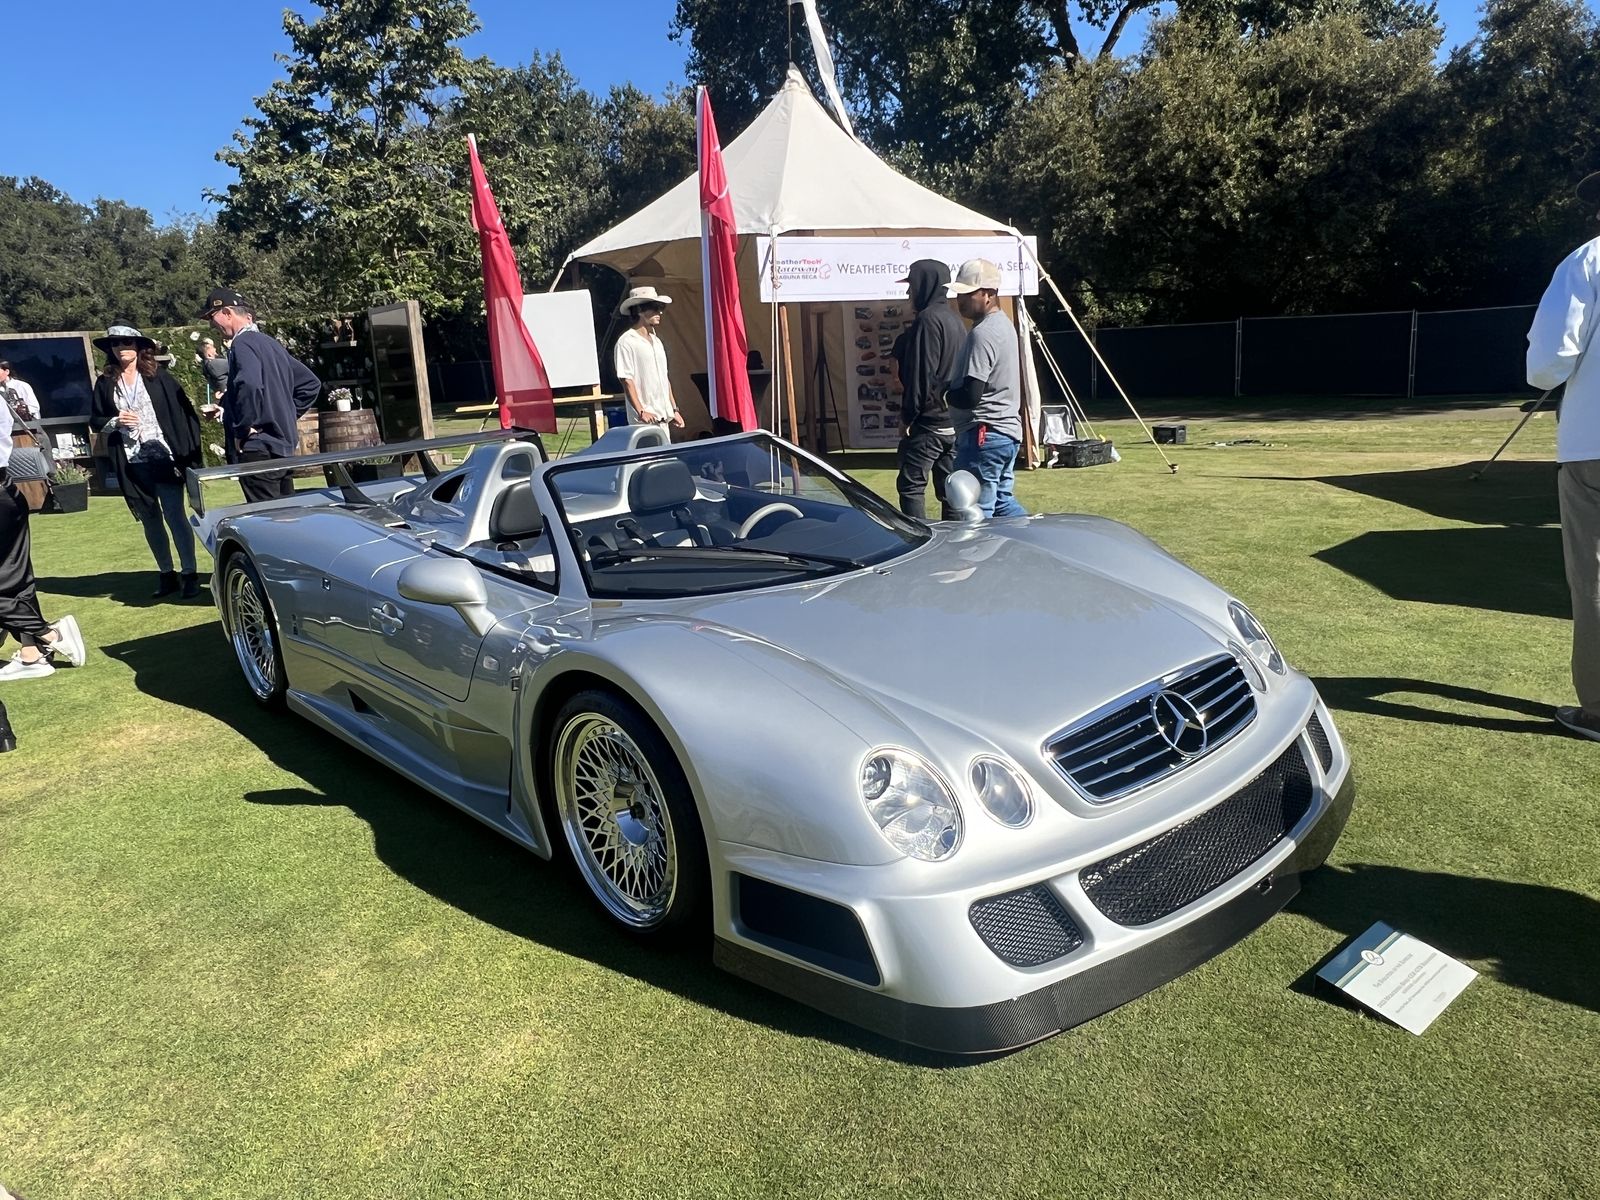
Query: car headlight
<point x="912" y="805"/>
<point x="1002" y="792"/>
<point x="1255" y="638"/>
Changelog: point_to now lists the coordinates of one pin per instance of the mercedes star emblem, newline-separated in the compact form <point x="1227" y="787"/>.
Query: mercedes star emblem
<point x="1180" y="724"/>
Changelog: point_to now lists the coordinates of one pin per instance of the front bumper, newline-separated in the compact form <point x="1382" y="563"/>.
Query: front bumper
<point x="1005" y="1024"/>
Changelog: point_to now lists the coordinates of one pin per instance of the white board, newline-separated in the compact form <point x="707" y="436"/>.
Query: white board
<point x="562" y="325"/>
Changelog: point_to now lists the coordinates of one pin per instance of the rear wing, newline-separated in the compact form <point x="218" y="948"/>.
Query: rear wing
<point x="333" y="463"/>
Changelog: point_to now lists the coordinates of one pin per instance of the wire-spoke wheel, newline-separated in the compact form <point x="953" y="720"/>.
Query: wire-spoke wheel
<point x="626" y="813"/>
<point x="251" y="630"/>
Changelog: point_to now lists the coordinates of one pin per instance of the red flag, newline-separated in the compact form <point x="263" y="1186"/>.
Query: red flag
<point x="727" y="348"/>
<point x="520" y="380"/>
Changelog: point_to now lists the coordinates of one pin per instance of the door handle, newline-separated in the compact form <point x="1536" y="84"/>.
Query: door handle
<point x="389" y="618"/>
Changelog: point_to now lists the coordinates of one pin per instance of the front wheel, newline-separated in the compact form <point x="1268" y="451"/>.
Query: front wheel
<point x="627" y="815"/>
<point x="252" y="630"/>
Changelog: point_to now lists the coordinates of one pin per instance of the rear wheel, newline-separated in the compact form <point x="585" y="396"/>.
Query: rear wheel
<point x="252" y="630"/>
<point x="627" y="816"/>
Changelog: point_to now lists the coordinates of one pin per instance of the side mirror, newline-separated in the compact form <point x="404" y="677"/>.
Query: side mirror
<point x="449" y="581"/>
<point x="961" y="494"/>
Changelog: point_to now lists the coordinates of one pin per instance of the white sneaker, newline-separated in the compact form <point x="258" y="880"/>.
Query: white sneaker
<point x="69" y="641"/>
<point x="17" y="669"/>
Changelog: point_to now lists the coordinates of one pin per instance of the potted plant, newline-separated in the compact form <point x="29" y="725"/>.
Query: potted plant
<point x="342" y="399"/>
<point x="70" y="485"/>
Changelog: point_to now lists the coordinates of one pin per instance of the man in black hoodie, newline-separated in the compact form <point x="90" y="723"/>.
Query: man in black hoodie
<point x="927" y="356"/>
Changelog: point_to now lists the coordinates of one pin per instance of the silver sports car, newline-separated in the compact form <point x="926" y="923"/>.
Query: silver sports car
<point x="965" y="784"/>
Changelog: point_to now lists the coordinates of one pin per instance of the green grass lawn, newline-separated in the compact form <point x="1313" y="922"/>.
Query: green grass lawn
<point x="238" y="959"/>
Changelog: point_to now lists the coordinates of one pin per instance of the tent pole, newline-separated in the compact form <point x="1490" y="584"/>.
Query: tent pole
<point x="1030" y="447"/>
<point x="788" y="373"/>
<point x="1095" y="350"/>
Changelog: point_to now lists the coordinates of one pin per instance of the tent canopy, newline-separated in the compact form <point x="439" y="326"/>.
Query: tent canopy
<point x="794" y="169"/>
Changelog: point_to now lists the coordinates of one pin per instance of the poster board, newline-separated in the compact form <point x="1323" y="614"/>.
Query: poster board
<point x="562" y="327"/>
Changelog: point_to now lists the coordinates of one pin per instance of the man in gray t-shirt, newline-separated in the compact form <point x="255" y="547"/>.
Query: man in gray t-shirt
<point x="985" y="392"/>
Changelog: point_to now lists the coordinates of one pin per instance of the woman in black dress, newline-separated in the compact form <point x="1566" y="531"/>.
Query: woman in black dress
<point x="153" y="435"/>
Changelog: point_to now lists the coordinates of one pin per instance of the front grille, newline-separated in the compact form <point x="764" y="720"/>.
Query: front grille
<point x="1319" y="739"/>
<point x="1147" y="882"/>
<point x="1112" y="754"/>
<point x="1026" y="928"/>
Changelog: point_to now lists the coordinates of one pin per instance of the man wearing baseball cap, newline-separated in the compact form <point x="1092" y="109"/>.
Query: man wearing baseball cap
<point x="1561" y="349"/>
<point x="985" y="391"/>
<point x="268" y="389"/>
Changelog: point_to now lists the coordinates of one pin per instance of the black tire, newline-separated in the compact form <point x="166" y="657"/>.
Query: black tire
<point x="253" y="631"/>
<point x="624" y="810"/>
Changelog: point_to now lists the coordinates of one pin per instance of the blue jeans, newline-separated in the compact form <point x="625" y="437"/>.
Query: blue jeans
<point x="994" y="463"/>
<point x="172" y="516"/>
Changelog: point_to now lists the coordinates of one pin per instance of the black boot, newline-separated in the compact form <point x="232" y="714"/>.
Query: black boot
<point x="8" y="736"/>
<point x="191" y="584"/>
<point x="167" y="585"/>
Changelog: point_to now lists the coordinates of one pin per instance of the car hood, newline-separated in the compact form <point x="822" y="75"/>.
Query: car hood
<point x="1007" y="638"/>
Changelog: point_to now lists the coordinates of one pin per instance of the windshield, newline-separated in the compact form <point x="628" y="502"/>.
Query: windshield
<point x="721" y="516"/>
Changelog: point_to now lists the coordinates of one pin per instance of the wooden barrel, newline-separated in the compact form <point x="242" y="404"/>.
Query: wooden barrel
<point x="348" y="430"/>
<point x="309" y="435"/>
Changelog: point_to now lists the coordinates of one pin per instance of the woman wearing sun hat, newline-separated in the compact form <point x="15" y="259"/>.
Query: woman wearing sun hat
<point x="153" y="435"/>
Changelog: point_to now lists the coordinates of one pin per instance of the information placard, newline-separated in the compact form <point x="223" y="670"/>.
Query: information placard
<point x="1398" y="977"/>
<point x="866" y="268"/>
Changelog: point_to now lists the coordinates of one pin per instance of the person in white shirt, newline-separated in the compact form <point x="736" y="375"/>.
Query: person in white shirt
<point x="641" y="361"/>
<point x="1559" y="345"/>
<point x="21" y="393"/>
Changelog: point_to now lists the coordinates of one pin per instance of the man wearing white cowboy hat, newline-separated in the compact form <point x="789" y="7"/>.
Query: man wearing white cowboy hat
<point x="641" y="361"/>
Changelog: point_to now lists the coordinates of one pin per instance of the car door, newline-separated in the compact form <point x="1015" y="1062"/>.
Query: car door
<point x="432" y="644"/>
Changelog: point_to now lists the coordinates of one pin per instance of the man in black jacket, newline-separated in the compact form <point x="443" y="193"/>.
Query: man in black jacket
<point x="926" y="353"/>
<point x="268" y="389"/>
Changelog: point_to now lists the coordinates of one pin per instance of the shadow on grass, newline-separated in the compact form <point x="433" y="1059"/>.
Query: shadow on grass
<point x="1294" y="408"/>
<point x="131" y="588"/>
<point x="1510" y="493"/>
<point x="1543" y="940"/>
<point x="1371" y="694"/>
<point x="1499" y="569"/>
<point x="451" y="856"/>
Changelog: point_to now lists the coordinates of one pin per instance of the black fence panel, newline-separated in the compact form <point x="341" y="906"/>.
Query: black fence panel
<point x="1360" y="354"/>
<point x="1072" y="354"/>
<point x="1473" y="351"/>
<point x="1170" y="360"/>
<point x="460" y="383"/>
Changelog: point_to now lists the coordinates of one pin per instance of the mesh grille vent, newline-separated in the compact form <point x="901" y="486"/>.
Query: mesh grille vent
<point x="1026" y="928"/>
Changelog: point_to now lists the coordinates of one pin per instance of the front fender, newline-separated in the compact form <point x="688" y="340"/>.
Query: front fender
<point x="771" y="745"/>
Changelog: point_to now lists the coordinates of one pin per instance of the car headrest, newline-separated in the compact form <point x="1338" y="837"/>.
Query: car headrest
<point x="516" y="514"/>
<point x="660" y="486"/>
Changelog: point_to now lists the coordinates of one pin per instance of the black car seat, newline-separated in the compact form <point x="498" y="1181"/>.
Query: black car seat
<point x="659" y="495"/>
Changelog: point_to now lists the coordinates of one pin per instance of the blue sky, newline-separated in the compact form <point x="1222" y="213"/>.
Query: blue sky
<point x="133" y="100"/>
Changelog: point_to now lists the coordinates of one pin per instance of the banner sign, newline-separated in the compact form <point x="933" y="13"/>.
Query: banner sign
<point x="865" y="268"/>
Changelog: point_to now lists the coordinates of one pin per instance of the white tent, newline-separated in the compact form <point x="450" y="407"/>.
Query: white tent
<point x="793" y="171"/>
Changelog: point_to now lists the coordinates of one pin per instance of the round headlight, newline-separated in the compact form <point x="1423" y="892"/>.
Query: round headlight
<point x="1002" y="792"/>
<point x="912" y="805"/>
<point x="1255" y="638"/>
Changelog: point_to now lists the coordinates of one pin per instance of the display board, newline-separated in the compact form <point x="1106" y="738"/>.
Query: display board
<point x="867" y="268"/>
<point x="874" y="392"/>
<point x="562" y="326"/>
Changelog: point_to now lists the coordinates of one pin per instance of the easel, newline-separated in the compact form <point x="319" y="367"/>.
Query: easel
<point x="827" y="400"/>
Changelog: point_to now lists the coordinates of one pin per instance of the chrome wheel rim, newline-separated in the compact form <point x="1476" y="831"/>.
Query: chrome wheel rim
<point x="616" y="821"/>
<point x="252" y="634"/>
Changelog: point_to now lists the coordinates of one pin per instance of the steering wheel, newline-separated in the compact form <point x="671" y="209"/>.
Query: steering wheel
<point x="762" y="513"/>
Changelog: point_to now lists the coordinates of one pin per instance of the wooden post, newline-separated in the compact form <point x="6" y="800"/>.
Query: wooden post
<point x="788" y="372"/>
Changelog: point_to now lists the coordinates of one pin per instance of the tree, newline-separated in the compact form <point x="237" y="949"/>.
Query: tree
<point x="1221" y="175"/>
<point x="338" y="169"/>
<point x="76" y="266"/>
<point x="1492" y="208"/>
